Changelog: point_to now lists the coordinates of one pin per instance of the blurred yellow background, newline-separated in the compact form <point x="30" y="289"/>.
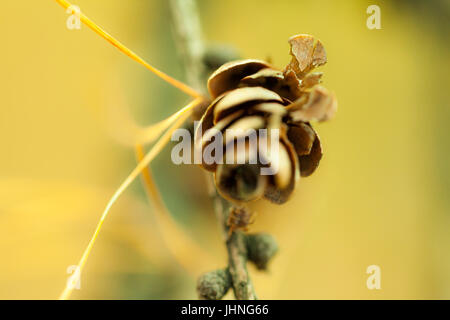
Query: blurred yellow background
<point x="380" y="196"/>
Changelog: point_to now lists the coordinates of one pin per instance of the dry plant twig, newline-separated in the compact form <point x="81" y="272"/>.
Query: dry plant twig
<point x="187" y="32"/>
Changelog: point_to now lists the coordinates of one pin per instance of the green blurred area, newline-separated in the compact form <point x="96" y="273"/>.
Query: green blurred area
<point x="380" y="196"/>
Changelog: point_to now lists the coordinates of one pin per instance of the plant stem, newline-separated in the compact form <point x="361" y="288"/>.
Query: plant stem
<point x="188" y="39"/>
<point x="236" y="247"/>
<point x="187" y="33"/>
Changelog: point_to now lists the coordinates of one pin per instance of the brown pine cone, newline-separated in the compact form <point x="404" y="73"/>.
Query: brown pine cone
<point x="251" y="94"/>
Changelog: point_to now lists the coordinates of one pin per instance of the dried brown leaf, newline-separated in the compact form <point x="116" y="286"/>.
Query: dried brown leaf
<point x="234" y="100"/>
<point x="310" y="162"/>
<point x="240" y="182"/>
<point x="277" y="191"/>
<point x="310" y="80"/>
<point x="302" y="137"/>
<point x="228" y="76"/>
<point x="306" y="55"/>
<point x="321" y="106"/>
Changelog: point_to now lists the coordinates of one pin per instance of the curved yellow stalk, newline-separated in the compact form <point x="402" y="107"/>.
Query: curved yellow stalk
<point x="123" y="127"/>
<point x="97" y="29"/>
<point x="128" y="132"/>
<point x="154" y="151"/>
<point x="150" y="133"/>
<point x="187" y="253"/>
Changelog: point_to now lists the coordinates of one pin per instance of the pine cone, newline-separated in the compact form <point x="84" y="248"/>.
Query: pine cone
<point x="251" y="94"/>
